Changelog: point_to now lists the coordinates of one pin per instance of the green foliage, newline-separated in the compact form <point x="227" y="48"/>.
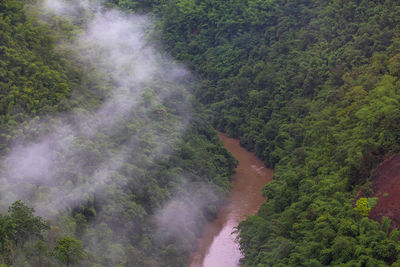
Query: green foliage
<point x="33" y="79"/>
<point x="41" y="76"/>
<point x="24" y="224"/>
<point x="312" y="87"/>
<point x="362" y="206"/>
<point x="18" y="227"/>
<point x="69" y="250"/>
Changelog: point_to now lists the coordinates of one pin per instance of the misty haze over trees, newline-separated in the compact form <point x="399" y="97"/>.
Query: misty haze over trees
<point x="109" y="155"/>
<point x="101" y="136"/>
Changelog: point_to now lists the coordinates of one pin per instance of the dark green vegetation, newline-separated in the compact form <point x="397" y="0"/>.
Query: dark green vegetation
<point x="33" y="79"/>
<point x="312" y="87"/>
<point x="41" y="76"/>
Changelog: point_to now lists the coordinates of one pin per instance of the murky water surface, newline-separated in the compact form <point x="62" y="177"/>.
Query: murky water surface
<point x="218" y="248"/>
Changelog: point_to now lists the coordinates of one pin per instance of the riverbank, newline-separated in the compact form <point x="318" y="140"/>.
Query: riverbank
<point x="218" y="246"/>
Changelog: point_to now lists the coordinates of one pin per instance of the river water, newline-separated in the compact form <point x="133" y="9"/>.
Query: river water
<point x="218" y="248"/>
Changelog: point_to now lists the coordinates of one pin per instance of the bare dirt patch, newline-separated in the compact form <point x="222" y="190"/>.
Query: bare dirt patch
<point x="386" y="186"/>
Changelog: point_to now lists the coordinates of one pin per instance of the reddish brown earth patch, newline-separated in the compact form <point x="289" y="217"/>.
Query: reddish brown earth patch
<point x="386" y="186"/>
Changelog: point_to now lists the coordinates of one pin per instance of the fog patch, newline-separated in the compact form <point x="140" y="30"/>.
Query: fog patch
<point x="183" y="218"/>
<point x="117" y="47"/>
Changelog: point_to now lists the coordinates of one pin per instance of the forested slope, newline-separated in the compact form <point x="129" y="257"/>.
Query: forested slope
<point x="312" y="87"/>
<point x="123" y="168"/>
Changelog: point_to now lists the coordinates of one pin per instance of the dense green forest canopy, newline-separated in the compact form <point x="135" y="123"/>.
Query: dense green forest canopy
<point x="107" y="156"/>
<point x="312" y="87"/>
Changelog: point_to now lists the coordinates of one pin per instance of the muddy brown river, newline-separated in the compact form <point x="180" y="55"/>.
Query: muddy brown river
<point x="218" y="248"/>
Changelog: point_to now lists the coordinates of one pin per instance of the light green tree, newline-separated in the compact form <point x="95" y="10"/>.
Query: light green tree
<point x="362" y="206"/>
<point x="69" y="250"/>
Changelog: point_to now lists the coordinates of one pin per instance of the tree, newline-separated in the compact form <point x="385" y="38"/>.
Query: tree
<point x="17" y="227"/>
<point x="69" y="250"/>
<point x="3" y="236"/>
<point x="40" y="250"/>
<point x="362" y="206"/>
<point x="23" y="224"/>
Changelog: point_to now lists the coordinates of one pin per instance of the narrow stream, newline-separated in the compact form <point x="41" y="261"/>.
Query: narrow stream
<point x="218" y="248"/>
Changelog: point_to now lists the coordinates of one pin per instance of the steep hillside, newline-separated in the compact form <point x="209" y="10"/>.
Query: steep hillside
<point x="102" y="137"/>
<point x="312" y="87"/>
<point x="33" y="80"/>
<point x="386" y="187"/>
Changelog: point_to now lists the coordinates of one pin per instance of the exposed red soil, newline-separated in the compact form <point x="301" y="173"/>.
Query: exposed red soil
<point x="386" y="186"/>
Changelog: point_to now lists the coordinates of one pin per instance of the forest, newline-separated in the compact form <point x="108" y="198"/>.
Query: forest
<point x="311" y="87"/>
<point x="70" y="196"/>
